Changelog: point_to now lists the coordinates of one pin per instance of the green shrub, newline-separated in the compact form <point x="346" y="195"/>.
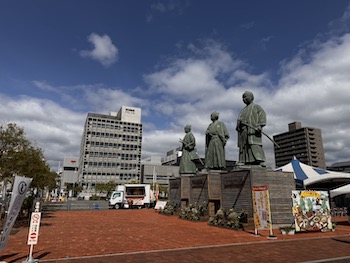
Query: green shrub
<point x="227" y="218"/>
<point x="193" y="212"/>
<point x="169" y="209"/>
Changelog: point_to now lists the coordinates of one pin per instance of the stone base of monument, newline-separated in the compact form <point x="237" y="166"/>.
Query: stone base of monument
<point x="234" y="190"/>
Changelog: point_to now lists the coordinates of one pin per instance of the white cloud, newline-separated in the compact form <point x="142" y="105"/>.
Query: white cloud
<point x="51" y="127"/>
<point x="108" y="99"/>
<point x="104" y="51"/>
<point x="167" y="139"/>
<point x="186" y="80"/>
<point x="320" y="84"/>
<point x="92" y="97"/>
<point x="199" y="77"/>
<point x="43" y="85"/>
<point x="314" y="90"/>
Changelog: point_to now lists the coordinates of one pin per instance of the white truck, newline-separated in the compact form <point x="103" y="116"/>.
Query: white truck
<point x="132" y="196"/>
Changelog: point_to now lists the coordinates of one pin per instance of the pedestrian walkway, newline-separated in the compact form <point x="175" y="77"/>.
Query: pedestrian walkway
<point x="146" y="236"/>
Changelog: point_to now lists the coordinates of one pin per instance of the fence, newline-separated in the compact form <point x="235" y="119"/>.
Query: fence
<point x="75" y="205"/>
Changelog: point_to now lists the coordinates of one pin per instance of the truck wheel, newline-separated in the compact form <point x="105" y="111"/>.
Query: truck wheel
<point x="117" y="206"/>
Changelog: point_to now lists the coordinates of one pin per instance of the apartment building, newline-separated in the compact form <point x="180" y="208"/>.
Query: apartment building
<point x="304" y="143"/>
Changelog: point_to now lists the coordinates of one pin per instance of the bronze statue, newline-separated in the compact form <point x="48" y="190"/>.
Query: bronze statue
<point x="216" y="137"/>
<point x="187" y="165"/>
<point x="250" y="123"/>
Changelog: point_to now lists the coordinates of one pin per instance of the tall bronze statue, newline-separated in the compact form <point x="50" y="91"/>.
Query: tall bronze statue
<point x="187" y="165"/>
<point x="250" y="123"/>
<point x="216" y="137"/>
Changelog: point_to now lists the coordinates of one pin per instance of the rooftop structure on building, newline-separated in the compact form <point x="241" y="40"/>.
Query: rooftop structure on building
<point x="152" y="173"/>
<point x="152" y="160"/>
<point x="111" y="147"/>
<point x="303" y="143"/>
<point x="172" y="157"/>
<point x="340" y="167"/>
<point x="68" y="176"/>
<point x="69" y="171"/>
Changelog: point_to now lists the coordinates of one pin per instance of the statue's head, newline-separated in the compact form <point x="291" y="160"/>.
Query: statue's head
<point x="248" y="97"/>
<point x="214" y="116"/>
<point x="187" y="128"/>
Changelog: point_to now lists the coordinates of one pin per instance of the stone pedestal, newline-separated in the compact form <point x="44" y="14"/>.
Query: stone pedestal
<point x="185" y="191"/>
<point x="237" y="192"/>
<point x="175" y="191"/>
<point x="234" y="190"/>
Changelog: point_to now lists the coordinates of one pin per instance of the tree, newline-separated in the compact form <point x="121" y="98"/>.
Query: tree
<point x="133" y="181"/>
<point x="105" y="187"/>
<point x="74" y="187"/>
<point x="111" y="186"/>
<point x="19" y="156"/>
<point x="12" y="143"/>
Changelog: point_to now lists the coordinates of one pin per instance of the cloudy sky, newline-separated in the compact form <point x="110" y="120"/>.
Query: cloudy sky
<point x="178" y="61"/>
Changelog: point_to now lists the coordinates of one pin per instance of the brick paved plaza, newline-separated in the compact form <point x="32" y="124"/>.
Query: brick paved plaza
<point x="146" y="236"/>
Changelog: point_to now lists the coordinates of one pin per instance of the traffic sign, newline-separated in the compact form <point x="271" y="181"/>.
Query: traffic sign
<point x="34" y="228"/>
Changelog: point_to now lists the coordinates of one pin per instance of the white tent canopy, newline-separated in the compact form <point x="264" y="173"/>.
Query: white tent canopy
<point x="310" y="176"/>
<point x="340" y="191"/>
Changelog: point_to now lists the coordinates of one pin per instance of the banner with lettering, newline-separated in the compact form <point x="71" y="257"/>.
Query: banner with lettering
<point x="34" y="228"/>
<point x="311" y="211"/>
<point x="19" y="190"/>
<point x="261" y="207"/>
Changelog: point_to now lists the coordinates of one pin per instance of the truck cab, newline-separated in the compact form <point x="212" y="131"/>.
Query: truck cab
<point x="117" y="200"/>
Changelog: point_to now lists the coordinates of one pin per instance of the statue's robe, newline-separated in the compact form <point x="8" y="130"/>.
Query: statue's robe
<point x="187" y="166"/>
<point x="216" y="137"/>
<point x="249" y="138"/>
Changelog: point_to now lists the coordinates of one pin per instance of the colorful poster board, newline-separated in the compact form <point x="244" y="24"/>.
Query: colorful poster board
<point x="261" y="206"/>
<point x="311" y="211"/>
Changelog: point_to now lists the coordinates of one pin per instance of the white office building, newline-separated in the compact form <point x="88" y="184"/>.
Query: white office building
<point x="111" y="147"/>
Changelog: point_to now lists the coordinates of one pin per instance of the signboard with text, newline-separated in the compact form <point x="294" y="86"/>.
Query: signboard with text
<point x="34" y="228"/>
<point x="261" y="207"/>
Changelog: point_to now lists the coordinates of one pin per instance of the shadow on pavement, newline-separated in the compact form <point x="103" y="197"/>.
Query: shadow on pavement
<point x="35" y="256"/>
<point x="2" y="258"/>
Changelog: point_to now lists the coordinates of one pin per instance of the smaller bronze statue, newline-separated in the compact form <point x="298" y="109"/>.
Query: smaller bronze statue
<point x="250" y="123"/>
<point x="216" y="137"/>
<point x="187" y="165"/>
